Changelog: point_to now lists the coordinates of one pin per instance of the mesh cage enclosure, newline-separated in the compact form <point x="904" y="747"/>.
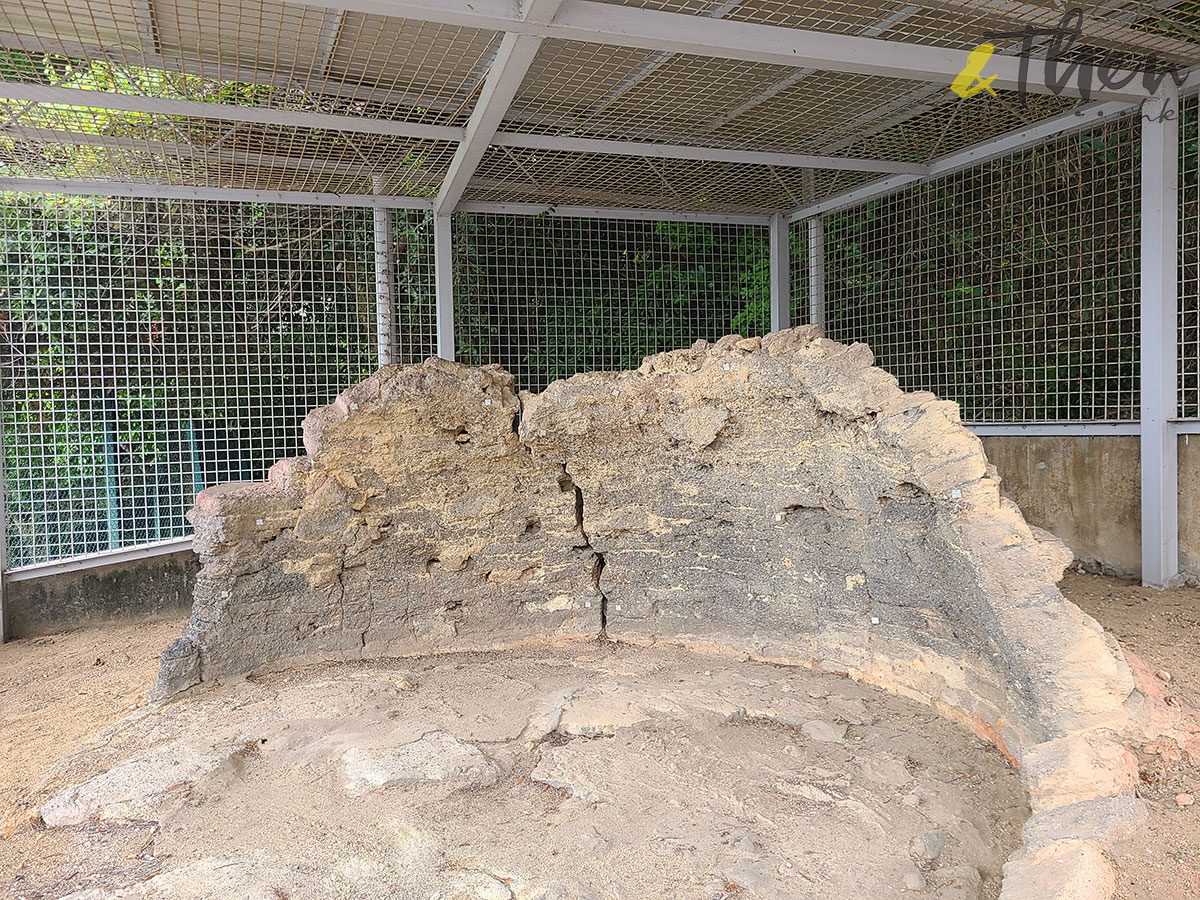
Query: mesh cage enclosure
<point x="1011" y="287"/>
<point x="156" y="347"/>
<point x="547" y="297"/>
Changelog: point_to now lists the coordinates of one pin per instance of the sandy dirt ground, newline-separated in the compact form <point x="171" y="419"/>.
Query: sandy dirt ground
<point x="57" y="692"/>
<point x="1163" y="627"/>
<point x="591" y="771"/>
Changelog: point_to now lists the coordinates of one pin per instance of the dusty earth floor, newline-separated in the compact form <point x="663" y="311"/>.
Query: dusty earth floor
<point x="844" y="800"/>
<point x="586" y="771"/>
<point x="1163" y="628"/>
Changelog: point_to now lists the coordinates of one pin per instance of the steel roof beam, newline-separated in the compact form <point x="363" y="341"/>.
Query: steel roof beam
<point x="110" y="100"/>
<point x="707" y="154"/>
<point x="500" y="86"/>
<point x="186" y="192"/>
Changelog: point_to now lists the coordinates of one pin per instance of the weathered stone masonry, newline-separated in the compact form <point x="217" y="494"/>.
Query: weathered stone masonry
<point x="779" y="497"/>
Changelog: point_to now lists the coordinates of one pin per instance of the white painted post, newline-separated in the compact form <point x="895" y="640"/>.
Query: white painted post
<point x="816" y="271"/>
<point x="781" y="265"/>
<point x="443" y="266"/>
<point x="1160" y="339"/>
<point x="3" y="544"/>
<point x="385" y="291"/>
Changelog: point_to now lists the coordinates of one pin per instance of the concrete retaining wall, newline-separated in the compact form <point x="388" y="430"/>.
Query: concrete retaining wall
<point x="1087" y="491"/>
<point x="144" y="590"/>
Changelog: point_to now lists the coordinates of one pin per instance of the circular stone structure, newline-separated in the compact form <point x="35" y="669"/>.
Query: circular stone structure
<point x="777" y="500"/>
<point x="591" y="771"/>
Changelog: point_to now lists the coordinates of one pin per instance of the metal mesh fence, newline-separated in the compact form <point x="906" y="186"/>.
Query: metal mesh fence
<point x="798" y="258"/>
<point x="547" y="297"/>
<point x="152" y="348"/>
<point x="1189" y="258"/>
<point x="1010" y="287"/>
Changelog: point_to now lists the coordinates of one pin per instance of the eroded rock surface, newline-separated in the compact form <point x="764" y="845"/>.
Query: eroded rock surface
<point x="590" y="771"/>
<point x="134" y="789"/>
<point x="417" y="522"/>
<point x="790" y="501"/>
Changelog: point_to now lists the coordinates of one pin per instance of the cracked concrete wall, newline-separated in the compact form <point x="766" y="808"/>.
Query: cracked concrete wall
<point x="780" y="497"/>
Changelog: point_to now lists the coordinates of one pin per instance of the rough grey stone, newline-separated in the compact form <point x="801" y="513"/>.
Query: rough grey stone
<point x="820" y="730"/>
<point x="1103" y="822"/>
<point x="928" y="846"/>
<point x="435" y="757"/>
<point x="135" y="788"/>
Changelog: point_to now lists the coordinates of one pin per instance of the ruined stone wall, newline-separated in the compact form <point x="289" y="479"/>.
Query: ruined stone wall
<point x="780" y="497"/>
<point x="417" y="522"/>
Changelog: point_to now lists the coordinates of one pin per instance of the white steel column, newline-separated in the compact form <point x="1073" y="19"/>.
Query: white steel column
<point x="3" y="545"/>
<point x="781" y="265"/>
<point x="816" y="271"/>
<point x="1160" y="339"/>
<point x="385" y="292"/>
<point x="443" y="267"/>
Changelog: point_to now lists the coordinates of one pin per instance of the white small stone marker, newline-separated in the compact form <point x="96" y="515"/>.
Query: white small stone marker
<point x="258" y="521"/>
<point x="778" y="517"/>
<point x="541" y="432"/>
<point x="587" y="603"/>
<point x="353" y="406"/>
<point x="549" y="509"/>
<point x="726" y="367"/>
<point x="616" y="393"/>
<point x="224" y="593"/>
<point x="618" y="607"/>
<point x="487" y="402"/>
<point x="956" y="494"/>
<point x="874" y="620"/>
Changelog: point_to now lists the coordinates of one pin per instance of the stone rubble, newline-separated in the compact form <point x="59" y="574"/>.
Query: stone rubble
<point x="134" y="789"/>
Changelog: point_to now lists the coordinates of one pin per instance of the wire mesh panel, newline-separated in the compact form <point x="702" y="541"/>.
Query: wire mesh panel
<point x="1189" y="258"/>
<point x="414" y="286"/>
<point x="798" y="257"/>
<point x="156" y="347"/>
<point x="1010" y="287"/>
<point x="547" y="297"/>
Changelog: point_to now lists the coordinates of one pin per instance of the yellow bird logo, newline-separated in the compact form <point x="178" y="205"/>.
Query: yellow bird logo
<point x="970" y="80"/>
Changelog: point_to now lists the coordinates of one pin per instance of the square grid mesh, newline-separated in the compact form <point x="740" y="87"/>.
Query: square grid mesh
<point x="1010" y="287"/>
<point x="591" y="90"/>
<point x="1167" y="29"/>
<point x="41" y="141"/>
<point x="547" y="297"/>
<point x="799" y="293"/>
<point x="268" y="54"/>
<point x="1189" y="258"/>
<point x="153" y="348"/>
<point x="508" y="175"/>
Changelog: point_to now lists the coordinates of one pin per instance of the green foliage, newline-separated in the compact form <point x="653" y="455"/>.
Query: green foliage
<point x="548" y="297"/>
<point x="153" y="345"/>
<point x="158" y="346"/>
<point x="1011" y="287"/>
